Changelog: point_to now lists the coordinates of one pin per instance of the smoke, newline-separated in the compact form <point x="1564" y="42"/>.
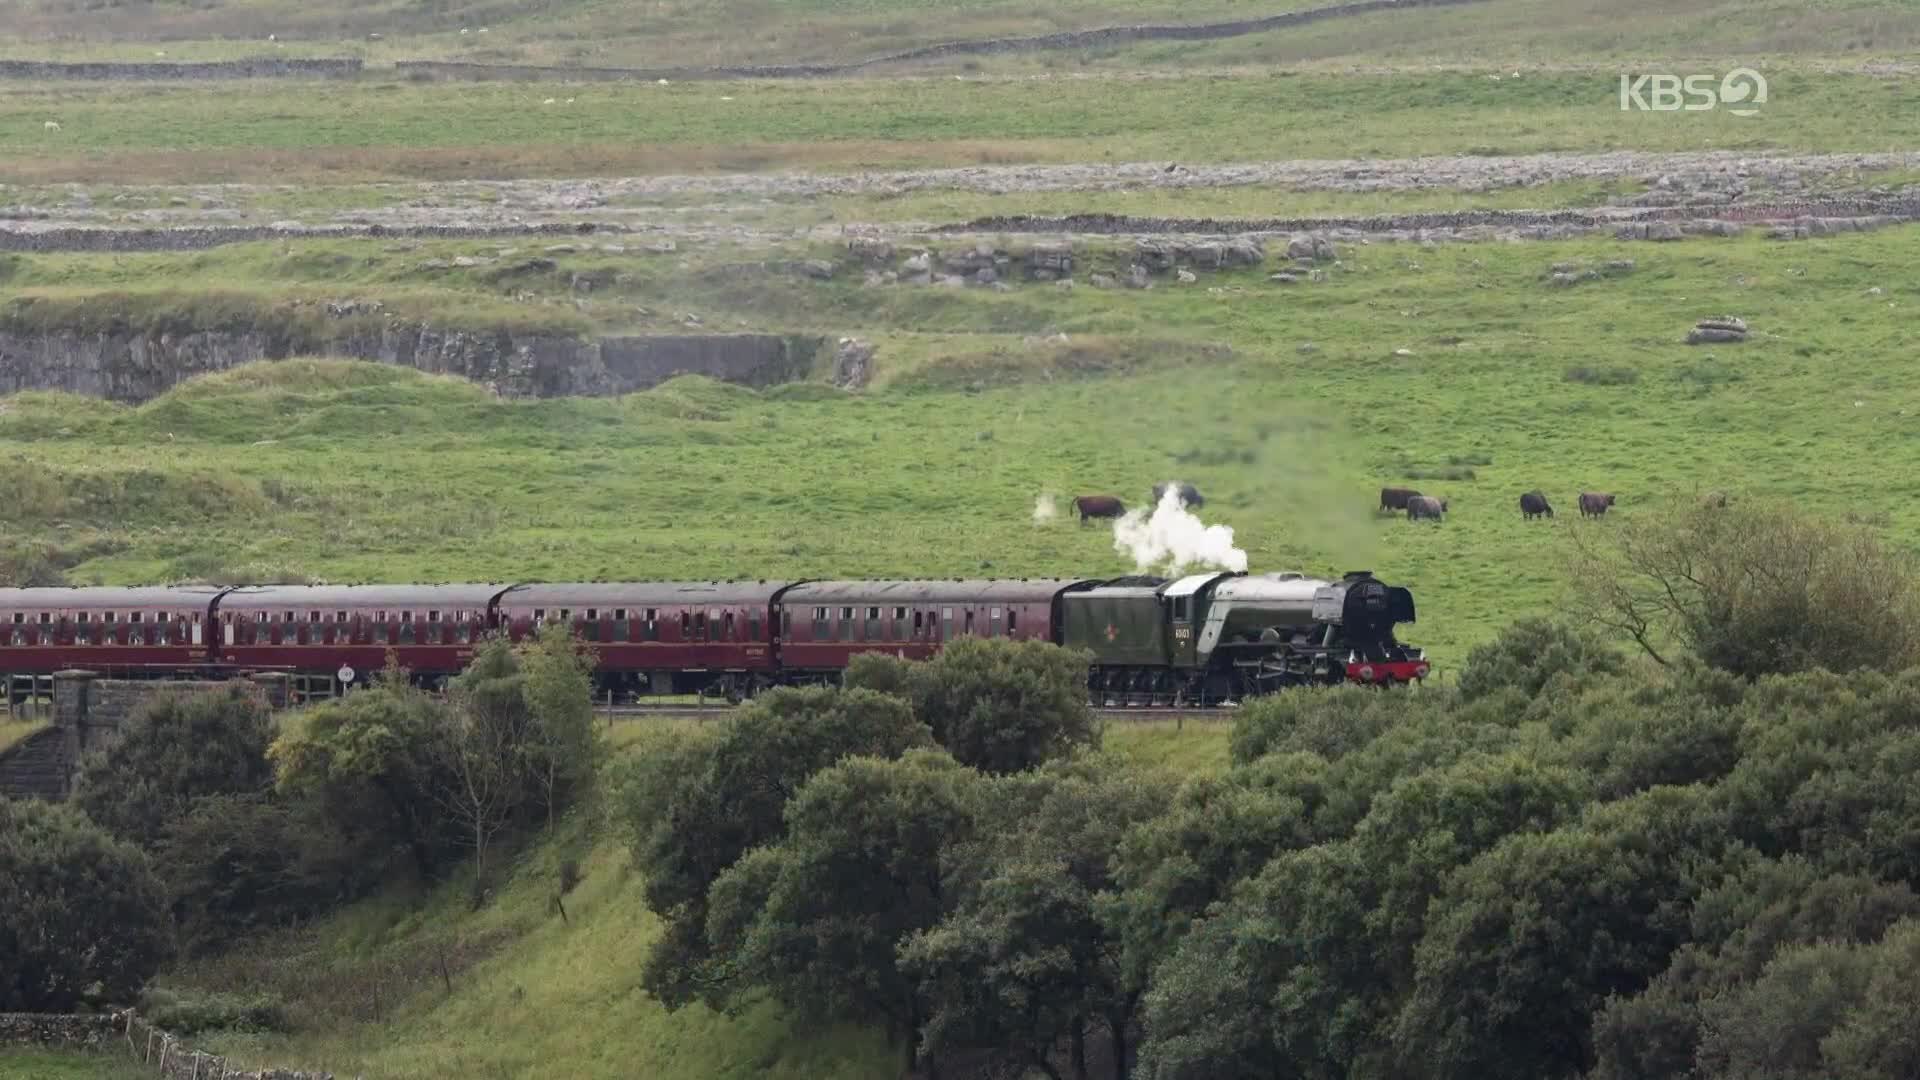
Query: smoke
<point x="1044" y="510"/>
<point x="1176" y="539"/>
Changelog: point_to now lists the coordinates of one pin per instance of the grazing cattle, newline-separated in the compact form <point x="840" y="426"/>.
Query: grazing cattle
<point x="1396" y="498"/>
<point x="1425" y="506"/>
<point x="1533" y="504"/>
<point x="1593" y="504"/>
<point x="1188" y="494"/>
<point x="1098" y="506"/>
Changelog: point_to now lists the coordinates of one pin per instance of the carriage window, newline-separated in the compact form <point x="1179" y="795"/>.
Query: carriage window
<point x="686" y="626"/>
<point x="539" y="616"/>
<point x="406" y="628"/>
<point x="873" y="624"/>
<point x="1012" y="615"/>
<point x="753" y="626"/>
<point x="726" y="621"/>
<point x="152" y="633"/>
<point x="822" y="630"/>
<point x="591" y="631"/>
<point x="993" y="623"/>
<point x="619" y="624"/>
<point x="1180" y="606"/>
<point x="463" y="627"/>
<point x="699" y="625"/>
<point x="566" y="616"/>
<point x="969" y="620"/>
<point x="946" y="623"/>
<point x="653" y="625"/>
<point x="919" y="620"/>
<point x="899" y="624"/>
<point x="433" y="616"/>
<point x="340" y="616"/>
<point x="846" y="623"/>
<point x="380" y="628"/>
<point x="133" y="616"/>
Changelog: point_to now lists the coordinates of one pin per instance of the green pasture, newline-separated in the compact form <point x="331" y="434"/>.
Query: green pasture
<point x="370" y="130"/>
<point x="1457" y="369"/>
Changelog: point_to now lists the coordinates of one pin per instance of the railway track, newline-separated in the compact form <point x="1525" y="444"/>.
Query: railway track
<point x="1109" y="712"/>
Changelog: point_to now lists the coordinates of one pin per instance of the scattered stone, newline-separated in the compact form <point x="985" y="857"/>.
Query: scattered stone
<point x="1102" y="281"/>
<point x="1663" y="230"/>
<point x="433" y="264"/>
<point x="872" y="250"/>
<point x="1186" y="277"/>
<point x="877" y="278"/>
<point x="614" y="249"/>
<point x="661" y="247"/>
<point x="1050" y="259"/>
<point x="1284" y="277"/>
<point x="1311" y="247"/>
<point x="561" y="249"/>
<point x="818" y="269"/>
<point x="470" y="261"/>
<point x="987" y="275"/>
<point x="1875" y="291"/>
<point x="1723" y="329"/>
<point x="918" y="264"/>
<point x="1616" y="267"/>
<point x="954" y="281"/>
<point x="1403" y="352"/>
<point x="1064" y="284"/>
<point x="1307" y="348"/>
<point x="1138" y="278"/>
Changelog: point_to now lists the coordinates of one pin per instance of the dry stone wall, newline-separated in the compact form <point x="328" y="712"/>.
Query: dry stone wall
<point x="261" y="67"/>
<point x="127" y="1034"/>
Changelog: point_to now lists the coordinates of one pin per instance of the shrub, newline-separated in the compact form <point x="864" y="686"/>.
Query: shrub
<point x="1531" y="652"/>
<point x="188" y="1012"/>
<point x="81" y="913"/>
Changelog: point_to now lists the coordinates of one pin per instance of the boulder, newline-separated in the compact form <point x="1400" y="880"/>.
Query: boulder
<point x="852" y="363"/>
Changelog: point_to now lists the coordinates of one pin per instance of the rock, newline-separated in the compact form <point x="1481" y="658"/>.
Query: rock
<point x="986" y="275"/>
<point x="1307" y="348"/>
<point x="433" y="264"/>
<point x="918" y="264"/>
<point x="1616" y="267"/>
<point x="561" y="249"/>
<point x="1311" y="247"/>
<point x="1064" y="284"/>
<point x="852" y="364"/>
<point x="1042" y="274"/>
<point x="1186" y="277"/>
<point x="1663" y="230"/>
<point x="1102" y="281"/>
<point x="818" y="269"/>
<point x="1153" y="254"/>
<point x="1723" y="322"/>
<point x="1050" y="258"/>
<point x="1711" y="336"/>
<point x="1138" y="278"/>
<point x="1403" y="352"/>
<point x="1284" y="277"/>
<point x="881" y="277"/>
<point x="872" y="250"/>
<point x="954" y="281"/>
<point x="1243" y="251"/>
<point x="468" y="261"/>
<point x="661" y="247"/>
<point x="921" y="278"/>
<point x="1875" y="291"/>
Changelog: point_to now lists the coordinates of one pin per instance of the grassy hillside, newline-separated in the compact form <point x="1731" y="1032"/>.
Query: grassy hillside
<point x="709" y="31"/>
<point x="1507" y="383"/>
<point x="380" y="130"/>
<point x="531" y="992"/>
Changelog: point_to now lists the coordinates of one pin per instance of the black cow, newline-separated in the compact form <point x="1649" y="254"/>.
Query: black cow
<point x="1098" y="506"/>
<point x="1188" y="494"/>
<point x="1396" y="498"/>
<point x="1533" y="504"/>
<point x="1593" y="504"/>
<point x="1426" y="506"/>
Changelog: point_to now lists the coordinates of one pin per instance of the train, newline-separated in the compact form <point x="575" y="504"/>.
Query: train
<point x="1194" y="640"/>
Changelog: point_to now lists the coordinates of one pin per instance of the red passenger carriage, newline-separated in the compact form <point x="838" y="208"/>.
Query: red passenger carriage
<point x="823" y="624"/>
<point x="109" y="630"/>
<point x="324" y="629"/>
<point x="661" y="637"/>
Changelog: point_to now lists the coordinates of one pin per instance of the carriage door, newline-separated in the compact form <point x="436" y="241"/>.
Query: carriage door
<point x="1182" y="619"/>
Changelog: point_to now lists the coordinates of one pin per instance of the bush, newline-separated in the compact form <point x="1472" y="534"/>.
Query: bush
<point x="177" y="748"/>
<point x="82" y="915"/>
<point x="1753" y="588"/>
<point x="186" y="1012"/>
<point x="1531" y="652"/>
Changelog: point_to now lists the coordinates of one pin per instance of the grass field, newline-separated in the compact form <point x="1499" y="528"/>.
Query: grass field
<point x="359" y="472"/>
<point x="668" y="33"/>
<point x="17" y="1063"/>
<point x="378" y="130"/>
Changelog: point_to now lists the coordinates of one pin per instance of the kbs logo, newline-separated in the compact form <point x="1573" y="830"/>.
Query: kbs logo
<point x="1742" y="90"/>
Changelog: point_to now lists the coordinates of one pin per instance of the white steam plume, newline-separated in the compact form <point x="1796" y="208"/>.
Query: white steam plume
<point x="1173" y="536"/>
<point x="1044" y="510"/>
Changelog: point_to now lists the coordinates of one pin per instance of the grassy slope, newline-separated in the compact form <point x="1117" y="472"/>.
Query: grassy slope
<point x="432" y="479"/>
<point x="784" y="31"/>
<point x="536" y="992"/>
<point x="19" y="1063"/>
<point x="375" y="130"/>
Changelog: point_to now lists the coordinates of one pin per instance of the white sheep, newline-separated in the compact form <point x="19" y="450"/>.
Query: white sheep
<point x="52" y="125"/>
<point x="549" y="101"/>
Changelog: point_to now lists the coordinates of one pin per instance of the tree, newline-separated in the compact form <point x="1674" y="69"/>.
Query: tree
<point x="1528" y="939"/>
<point x="563" y="742"/>
<point x="176" y="748"/>
<point x="1530" y="653"/>
<point x="78" y="908"/>
<point x="238" y="862"/>
<point x="857" y="871"/>
<point x="998" y="704"/>
<point x="711" y="802"/>
<point x="1023" y="962"/>
<point x="481" y="747"/>
<point x="1753" y="588"/>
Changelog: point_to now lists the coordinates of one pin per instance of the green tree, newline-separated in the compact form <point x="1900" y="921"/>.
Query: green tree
<point x="857" y="871"/>
<point x="713" y="801"/>
<point x="563" y="743"/>
<point x="176" y="748"/>
<point x="1528" y="939"/>
<point x="1023" y="962"/>
<point x="239" y="862"/>
<point x="1758" y="587"/>
<point x="1877" y="1039"/>
<point x="78" y="909"/>
<point x="482" y="748"/>
<point x="1001" y="705"/>
<point x="1529" y="654"/>
<point x="366" y="765"/>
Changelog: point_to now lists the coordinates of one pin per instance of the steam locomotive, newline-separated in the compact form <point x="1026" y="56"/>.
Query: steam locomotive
<point x="1195" y="640"/>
